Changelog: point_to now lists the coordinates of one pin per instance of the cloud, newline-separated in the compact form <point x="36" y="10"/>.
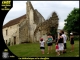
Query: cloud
<point x="18" y="6"/>
<point x="61" y="25"/>
<point x="62" y="8"/>
<point x="70" y="4"/>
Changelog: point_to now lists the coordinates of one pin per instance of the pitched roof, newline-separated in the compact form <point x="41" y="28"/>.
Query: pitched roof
<point x="14" y="21"/>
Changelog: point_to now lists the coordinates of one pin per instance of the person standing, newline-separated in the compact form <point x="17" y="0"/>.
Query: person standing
<point x="64" y="40"/>
<point x="72" y="41"/>
<point x="60" y="43"/>
<point x="49" y="42"/>
<point x="42" y="45"/>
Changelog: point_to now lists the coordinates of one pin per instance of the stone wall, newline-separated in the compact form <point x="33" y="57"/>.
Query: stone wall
<point x="34" y="18"/>
<point x="12" y="31"/>
<point x="23" y="31"/>
<point x="38" y="18"/>
<point x="45" y="26"/>
<point x="31" y="23"/>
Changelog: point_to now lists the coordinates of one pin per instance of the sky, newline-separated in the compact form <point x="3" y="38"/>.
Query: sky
<point x="62" y="8"/>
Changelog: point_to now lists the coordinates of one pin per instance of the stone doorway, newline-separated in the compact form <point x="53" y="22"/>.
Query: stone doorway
<point x="14" y="40"/>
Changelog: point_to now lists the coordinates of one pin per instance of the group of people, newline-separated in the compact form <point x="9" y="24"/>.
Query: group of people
<point x="60" y="46"/>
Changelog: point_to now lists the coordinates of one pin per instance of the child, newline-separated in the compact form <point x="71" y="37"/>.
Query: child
<point x="42" y="45"/>
<point x="57" y="49"/>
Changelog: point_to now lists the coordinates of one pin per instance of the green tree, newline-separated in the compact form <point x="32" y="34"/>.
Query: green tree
<point x="72" y="21"/>
<point x="53" y="30"/>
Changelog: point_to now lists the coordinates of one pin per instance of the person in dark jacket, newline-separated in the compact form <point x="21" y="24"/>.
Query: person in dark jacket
<point x="60" y="43"/>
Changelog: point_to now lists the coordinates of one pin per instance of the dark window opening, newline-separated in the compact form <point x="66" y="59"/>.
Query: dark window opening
<point x="6" y="32"/>
<point x="6" y="42"/>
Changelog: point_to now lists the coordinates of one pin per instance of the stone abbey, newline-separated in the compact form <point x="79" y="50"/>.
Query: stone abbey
<point x="30" y="27"/>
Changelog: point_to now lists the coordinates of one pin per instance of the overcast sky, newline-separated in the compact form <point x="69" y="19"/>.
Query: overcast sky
<point x="62" y="8"/>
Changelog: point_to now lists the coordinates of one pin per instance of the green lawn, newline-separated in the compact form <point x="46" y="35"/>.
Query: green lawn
<point x="33" y="50"/>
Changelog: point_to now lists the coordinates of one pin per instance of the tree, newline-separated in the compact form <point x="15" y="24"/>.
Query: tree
<point x="72" y="21"/>
<point x="53" y="30"/>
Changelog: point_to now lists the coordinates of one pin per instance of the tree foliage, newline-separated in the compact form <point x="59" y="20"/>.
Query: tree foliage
<point x="53" y="30"/>
<point x="72" y="21"/>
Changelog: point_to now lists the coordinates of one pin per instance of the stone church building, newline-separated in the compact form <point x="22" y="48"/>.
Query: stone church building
<point x="28" y="28"/>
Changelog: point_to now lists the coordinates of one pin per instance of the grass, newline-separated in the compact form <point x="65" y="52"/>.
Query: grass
<point x="33" y="50"/>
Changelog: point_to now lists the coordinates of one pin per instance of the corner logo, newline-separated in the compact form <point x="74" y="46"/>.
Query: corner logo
<point x="6" y="5"/>
<point x="5" y="55"/>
